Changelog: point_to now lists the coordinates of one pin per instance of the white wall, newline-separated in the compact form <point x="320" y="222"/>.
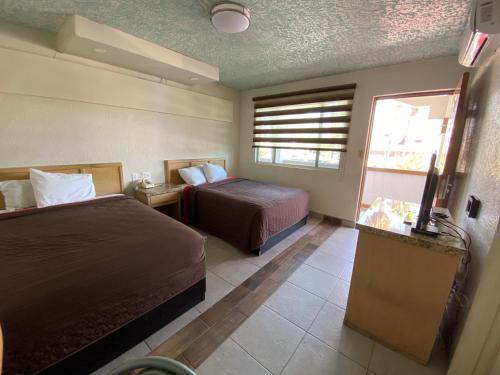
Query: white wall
<point x="335" y="193"/>
<point x="59" y="109"/>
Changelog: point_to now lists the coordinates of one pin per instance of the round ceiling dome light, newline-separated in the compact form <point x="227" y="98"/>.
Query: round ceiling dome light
<point x="229" y="17"/>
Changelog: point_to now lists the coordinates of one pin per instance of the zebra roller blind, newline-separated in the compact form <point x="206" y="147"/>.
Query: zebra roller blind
<point x="317" y="119"/>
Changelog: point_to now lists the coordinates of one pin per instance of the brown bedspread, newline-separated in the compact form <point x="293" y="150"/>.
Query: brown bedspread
<point x="243" y="212"/>
<point x="71" y="274"/>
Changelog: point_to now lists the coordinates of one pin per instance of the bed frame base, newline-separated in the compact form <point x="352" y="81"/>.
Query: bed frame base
<point x="111" y="346"/>
<point x="273" y="240"/>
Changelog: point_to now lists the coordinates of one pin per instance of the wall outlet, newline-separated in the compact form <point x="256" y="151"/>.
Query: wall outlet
<point x="135" y="177"/>
<point x="146" y="175"/>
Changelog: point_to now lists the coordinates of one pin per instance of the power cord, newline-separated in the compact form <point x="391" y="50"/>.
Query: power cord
<point x="452" y="226"/>
<point x="457" y="291"/>
<point x="463" y="230"/>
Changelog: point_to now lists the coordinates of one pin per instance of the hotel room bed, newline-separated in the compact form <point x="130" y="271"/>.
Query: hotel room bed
<point x="82" y="282"/>
<point x="250" y="215"/>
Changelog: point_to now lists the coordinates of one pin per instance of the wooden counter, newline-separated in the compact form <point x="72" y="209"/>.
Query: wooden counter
<point x="401" y="281"/>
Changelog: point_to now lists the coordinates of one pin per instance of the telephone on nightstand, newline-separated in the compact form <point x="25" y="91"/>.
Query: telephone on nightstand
<point x="146" y="184"/>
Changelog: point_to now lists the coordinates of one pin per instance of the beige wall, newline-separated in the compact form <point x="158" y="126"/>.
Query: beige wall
<point x="335" y="193"/>
<point x="480" y="149"/>
<point x="59" y="109"/>
<point x="478" y="349"/>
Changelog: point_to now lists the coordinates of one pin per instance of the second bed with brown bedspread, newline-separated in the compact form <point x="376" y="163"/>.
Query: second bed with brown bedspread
<point x="243" y="212"/>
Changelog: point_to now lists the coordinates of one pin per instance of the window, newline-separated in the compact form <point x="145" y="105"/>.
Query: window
<point x="305" y="128"/>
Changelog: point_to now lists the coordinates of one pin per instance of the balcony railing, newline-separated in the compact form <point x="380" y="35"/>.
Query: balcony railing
<point x="396" y="184"/>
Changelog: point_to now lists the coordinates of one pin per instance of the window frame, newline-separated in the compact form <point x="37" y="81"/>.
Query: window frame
<point x="288" y="165"/>
<point x="321" y="95"/>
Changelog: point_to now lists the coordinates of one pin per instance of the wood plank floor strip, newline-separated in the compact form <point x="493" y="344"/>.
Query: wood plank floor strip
<point x="254" y="281"/>
<point x="306" y="252"/>
<point x="207" y="343"/>
<point x="199" y="339"/>
<point x="225" y="306"/>
<point x="287" y="267"/>
<point x="183" y="360"/>
<point x="256" y="299"/>
<point x="176" y="344"/>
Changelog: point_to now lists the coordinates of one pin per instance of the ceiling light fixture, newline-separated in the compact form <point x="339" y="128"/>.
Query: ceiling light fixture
<point x="229" y="17"/>
<point x="99" y="50"/>
<point x="194" y="79"/>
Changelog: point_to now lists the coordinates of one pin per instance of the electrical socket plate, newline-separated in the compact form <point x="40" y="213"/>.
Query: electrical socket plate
<point x="135" y="177"/>
<point x="146" y="175"/>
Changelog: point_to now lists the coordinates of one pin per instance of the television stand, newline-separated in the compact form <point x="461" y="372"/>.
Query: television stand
<point x="401" y="280"/>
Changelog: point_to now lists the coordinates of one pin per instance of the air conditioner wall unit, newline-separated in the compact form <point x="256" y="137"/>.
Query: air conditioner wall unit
<point x="479" y="34"/>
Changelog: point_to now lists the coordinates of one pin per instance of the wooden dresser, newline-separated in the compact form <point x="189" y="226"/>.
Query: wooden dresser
<point x="401" y="281"/>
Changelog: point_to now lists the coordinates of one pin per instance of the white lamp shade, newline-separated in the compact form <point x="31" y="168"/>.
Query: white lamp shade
<point x="230" y="17"/>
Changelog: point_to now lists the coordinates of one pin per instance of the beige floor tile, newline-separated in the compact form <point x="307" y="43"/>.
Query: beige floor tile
<point x="387" y="362"/>
<point x="216" y="289"/>
<point x="340" y="249"/>
<point x="296" y="235"/>
<point x="329" y="327"/>
<point x="327" y="262"/>
<point x="295" y="304"/>
<point x="315" y="357"/>
<point x="170" y="329"/>
<point x="231" y="359"/>
<point x="313" y="280"/>
<point x="269" y="338"/>
<point x="262" y="260"/>
<point x="235" y="271"/>
<point x="138" y="351"/>
<point x="340" y="293"/>
<point x="346" y="235"/>
<point x="347" y="274"/>
<point x="218" y="251"/>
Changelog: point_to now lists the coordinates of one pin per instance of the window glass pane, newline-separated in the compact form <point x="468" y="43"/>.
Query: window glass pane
<point x="405" y="133"/>
<point x="329" y="159"/>
<point x="296" y="157"/>
<point x="264" y="155"/>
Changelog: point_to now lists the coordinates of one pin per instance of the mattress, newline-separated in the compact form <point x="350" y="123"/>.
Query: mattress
<point x="71" y="274"/>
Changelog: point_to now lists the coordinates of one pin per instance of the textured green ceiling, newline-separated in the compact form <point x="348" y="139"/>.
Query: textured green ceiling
<point x="288" y="39"/>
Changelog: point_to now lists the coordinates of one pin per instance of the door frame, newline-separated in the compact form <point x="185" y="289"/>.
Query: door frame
<point x="447" y="178"/>
<point x="376" y="98"/>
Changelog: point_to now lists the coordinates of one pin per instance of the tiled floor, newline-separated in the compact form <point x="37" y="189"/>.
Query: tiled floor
<point x="299" y="329"/>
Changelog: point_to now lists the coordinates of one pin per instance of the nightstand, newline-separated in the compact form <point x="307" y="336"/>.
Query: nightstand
<point x="161" y="195"/>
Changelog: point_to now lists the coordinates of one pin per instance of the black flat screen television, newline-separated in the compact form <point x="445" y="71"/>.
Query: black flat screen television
<point x="422" y="225"/>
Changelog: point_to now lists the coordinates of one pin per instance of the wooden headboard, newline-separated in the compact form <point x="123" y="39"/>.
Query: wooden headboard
<point x="172" y="167"/>
<point x="107" y="177"/>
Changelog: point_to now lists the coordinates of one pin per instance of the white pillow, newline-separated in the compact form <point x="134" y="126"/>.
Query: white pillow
<point x="59" y="188"/>
<point x="214" y="172"/>
<point x="17" y="194"/>
<point x="193" y="175"/>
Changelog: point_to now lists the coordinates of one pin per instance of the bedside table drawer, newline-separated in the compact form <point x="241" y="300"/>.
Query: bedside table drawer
<point x="160" y="199"/>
